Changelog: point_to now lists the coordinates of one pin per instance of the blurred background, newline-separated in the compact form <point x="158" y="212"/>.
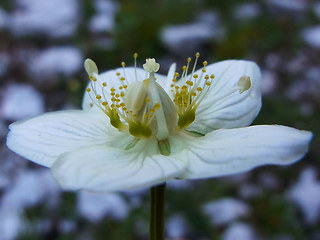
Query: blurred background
<point x="42" y="47"/>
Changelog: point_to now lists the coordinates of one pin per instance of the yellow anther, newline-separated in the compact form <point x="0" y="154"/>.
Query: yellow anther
<point x="197" y="55"/>
<point x="177" y="87"/>
<point x="191" y="84"/>
<point x="199" y="89"/>
<point x="104" y="84"/>
<point x="212" y="76"/>
<point x="148" y="100"/>
<point x="90" y="77"/>
<point x="98" y="97"/>
<point x="94" y="79"/>
<point x="184" y="68"/>
<point x="118" y="100"/>
<point x="204" y="70"/>
<point x="104" y="103"/>
<point x="135" y="55"/>
<point x="189" y="59"/>
<point x="172" y="85"/>
<point x="113" y="99"/>
<point x="112" y="89"/>
<point x="112" y="105"/>
<point x="156" y="106"/>
<point x="112" y="93"/>
<point x="123" y="64"/>
<point x="124" y="109"/>
<point x="118" y="74"/>
<point x="176" y="74"/>
<point x="174" y="80"/>
<point x="152" y="110"/>
<point x="205" y="63"/>
<point x="122" y="78"/>
<point x="208" y="83"/>
<point x="122" y="94"/>
<point x="185" y="100"/>
<point x="88" y="90"/>
<point x="122" y="104"/>
<point x="125" y="86"/>
<point x="184" y="87"/>
<point x="117" y="95"/>
<point x="194" y="94"/>
<point x="195" y="76"/>
<point x="188" y="82"/>
<point x="206" y="77"/>
<point x="120" y="87"/>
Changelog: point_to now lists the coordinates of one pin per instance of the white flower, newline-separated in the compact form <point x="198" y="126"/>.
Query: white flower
<point x="138" y="128"/>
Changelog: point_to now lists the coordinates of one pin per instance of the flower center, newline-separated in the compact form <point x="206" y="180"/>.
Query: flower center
<point x="143" y="108"/>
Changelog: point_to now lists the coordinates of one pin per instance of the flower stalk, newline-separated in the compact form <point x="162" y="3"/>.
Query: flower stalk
<point x="157" y="209"/>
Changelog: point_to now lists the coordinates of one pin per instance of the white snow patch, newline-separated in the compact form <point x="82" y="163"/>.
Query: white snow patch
<point x="94" y="206"/>
<point x="30" y="188"/>
<point x="21" y="101"/>
<point x="58" y="18"/>
<point x="291" y="5"/>
<point x="49" y="63"/>
<point x="178" y="184"/>
<point x="239" y="231"/>
<point x="248" y="191"/>
<point x="3" y="19"/>
<point x="306" y="194"/>
<point x="176" y="226"/>
<point x="269" y="82"/>
<point x="205" y="28"/>
<point x="225" y="210"/>
<point x="311" y="36"/>
<point x="316" y="9"/>
<point x="103" y="21"/>
<point x="4" y="61"/>
<point x="247" y="11"/>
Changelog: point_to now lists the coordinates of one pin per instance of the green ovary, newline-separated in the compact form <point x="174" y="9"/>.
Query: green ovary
<point x="186" y="118"/>
<point x="139" y="130"/>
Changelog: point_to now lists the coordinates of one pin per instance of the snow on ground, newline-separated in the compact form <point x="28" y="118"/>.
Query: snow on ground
<point x="30" y="188"/>
<point x="58" y="18"/>
<point x="269" y="82"/>
<point x="3" y="19"/>
<point x="239" y="231"/>
<point x="247" y="11"/>
<point x="177" y="184"/>
<point x="49" y="63"/>
<point x="291" y="5"/>
<point x="179" y="37"/>
<point x="94" y="206"/>
<point x="306" y="194"/>
<point x="311" y="36"/>
<point x="176" y="226"/>
<point x="225" y="210"/>
<point x="103" y="21"/>
<point x="21" y="101"/>
<point x="316" y="9"/>
<point x="4" y="60"/>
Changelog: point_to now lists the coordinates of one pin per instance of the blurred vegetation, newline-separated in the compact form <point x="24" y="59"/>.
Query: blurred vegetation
<point x="137" y="29"/>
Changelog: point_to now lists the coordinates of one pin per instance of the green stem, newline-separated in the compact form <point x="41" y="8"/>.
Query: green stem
<point x="157" y="206"/>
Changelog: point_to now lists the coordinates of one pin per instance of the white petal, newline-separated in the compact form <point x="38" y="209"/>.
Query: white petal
<point x="42" y="139"/>
<point x="229" y="151"/>
<point x="166" y="84"/>
<point x="112" y="81"/>
<point x="102" y="169"/>
<point x="224" y="108"/>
